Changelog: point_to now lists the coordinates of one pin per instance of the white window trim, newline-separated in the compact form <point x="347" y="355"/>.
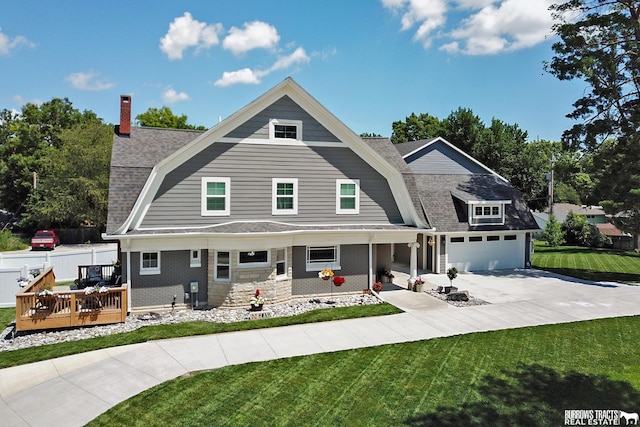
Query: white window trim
<point x="267" y="263"/>
<point x="274" y="196"/>
<point x="341" y="211"/>
<point x="286" y="264"/>
<point x="499" y="219"/>
<point x="321" y="265"/>
<point x="197" y="260"/>
<point x="215" y="267"/>
<point x="296" y="123"/>
<point x="149" y="271"/>
<point x="227" y="196"/>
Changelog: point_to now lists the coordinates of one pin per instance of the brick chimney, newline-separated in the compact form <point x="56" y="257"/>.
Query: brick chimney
<point x="125" y="116"/>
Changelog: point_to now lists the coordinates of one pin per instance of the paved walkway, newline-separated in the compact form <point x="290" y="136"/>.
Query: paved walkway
<point x="72" y="390"/>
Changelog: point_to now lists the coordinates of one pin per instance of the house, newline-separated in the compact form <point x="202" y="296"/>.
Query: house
<point x="279" y="191"/>
<point x="593" y="214"/>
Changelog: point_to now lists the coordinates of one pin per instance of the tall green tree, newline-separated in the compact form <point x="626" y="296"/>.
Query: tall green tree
<point x="164" y="118"/>
<point x="463" y="129"/>
<point x="599" y="43"/>
<point x="73" y="185"/>
<point x="553" y="234"/>
<point x="26" y="141"/>
<point x="416" y="127"/>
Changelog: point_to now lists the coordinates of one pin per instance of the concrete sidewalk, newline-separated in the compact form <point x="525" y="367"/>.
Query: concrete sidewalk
<point x="73" y="390"/>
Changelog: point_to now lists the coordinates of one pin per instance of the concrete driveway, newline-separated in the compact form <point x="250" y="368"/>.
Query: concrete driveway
<point x="527" y="290"/>
<point x="73" y="390"/>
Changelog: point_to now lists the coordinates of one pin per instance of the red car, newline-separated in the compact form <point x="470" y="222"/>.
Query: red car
<point x="44" y="239"/>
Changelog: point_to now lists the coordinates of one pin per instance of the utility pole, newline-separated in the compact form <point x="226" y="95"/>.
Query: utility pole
<point x="553" y="161"/>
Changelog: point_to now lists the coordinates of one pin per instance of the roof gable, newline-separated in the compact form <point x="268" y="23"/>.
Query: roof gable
<point x="324" y="130"/>
<point x="438" y="156"/>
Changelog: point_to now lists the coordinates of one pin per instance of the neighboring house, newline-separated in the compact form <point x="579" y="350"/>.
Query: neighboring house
<point x="593" y="214"/>
<point x="281" y="190"/>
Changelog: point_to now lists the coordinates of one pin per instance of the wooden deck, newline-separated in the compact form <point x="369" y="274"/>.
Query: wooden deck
<point x="69" y="308"/>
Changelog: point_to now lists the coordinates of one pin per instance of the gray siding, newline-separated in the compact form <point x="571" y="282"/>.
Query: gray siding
<point x="354" y="261"/>
<point x="251" y="169"/>
<point x="175" y="278"/>
<point x="439" y="159"/>
<point x="286" y="109"/>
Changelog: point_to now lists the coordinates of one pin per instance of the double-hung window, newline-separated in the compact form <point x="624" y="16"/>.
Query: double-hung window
<point x="215" y="196"/>
<point x="222" y="268"/>
<point x="149" y="263"/>
<point x="284" y="196"/>
<point x="195" y="258"/>
<point x="347" y="196"/>
<point x="281" y="263"/>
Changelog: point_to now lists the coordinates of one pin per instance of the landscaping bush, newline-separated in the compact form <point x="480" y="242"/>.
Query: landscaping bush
<point x="9" y="242"/>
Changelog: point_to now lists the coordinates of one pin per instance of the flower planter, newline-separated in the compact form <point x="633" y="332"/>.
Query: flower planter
<point x="256" y="307"/>
<point x="46" y="302"/>
<point x="418" y="287"/>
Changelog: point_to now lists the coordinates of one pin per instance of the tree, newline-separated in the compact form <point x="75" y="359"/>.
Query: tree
<point x="164" y="118"/>
<point x="74" y="180"/>
<point x="553" y="234"/>
<point x="26" y="141"/>
<point x="574" y="228"/>
<point x="370" y="135"/>
<point x="463" y="129"/>
<point x="599" y="44"/>
<point x="415" y="128"/>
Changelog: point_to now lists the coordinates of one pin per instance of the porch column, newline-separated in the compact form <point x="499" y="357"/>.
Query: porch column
<point x="413" y="260"/>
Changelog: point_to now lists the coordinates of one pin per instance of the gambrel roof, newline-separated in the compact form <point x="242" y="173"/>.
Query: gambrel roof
<point x="142" y="160"/>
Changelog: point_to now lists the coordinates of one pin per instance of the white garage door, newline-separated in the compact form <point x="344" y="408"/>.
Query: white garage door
<point x="488" y="252"/>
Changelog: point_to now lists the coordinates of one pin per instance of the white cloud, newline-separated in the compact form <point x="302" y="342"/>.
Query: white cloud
<point x="509" y="26"/>
<point x="254" y="35"/>
<point x="299" y="56"/>
<point x="7" y="44"/>
<point x="244" y="76"/>
<point x="249" y="76"/>
<point x="185" y="32"/>
<point x="490" y="26"/>
<point x="429" y="15"/>
<point x="170" y="96"/>
<point x="88" y="81"/>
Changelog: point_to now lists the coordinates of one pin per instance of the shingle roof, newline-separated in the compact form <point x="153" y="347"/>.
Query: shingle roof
<point x="407" y="147"/>
<point x="386" y="149"/>
<point x="132" y="159"/>
<point x="449" y="214"/>
<point x="257" y="227"/>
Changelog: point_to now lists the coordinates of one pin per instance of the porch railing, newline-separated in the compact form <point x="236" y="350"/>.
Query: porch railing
<point x="66" y="309"/>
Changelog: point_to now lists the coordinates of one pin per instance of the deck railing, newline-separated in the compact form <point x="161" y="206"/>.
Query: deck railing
<point x="66" y="309"/>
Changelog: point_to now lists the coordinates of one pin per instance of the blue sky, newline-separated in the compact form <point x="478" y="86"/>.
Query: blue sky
<point x="370" y="62"/>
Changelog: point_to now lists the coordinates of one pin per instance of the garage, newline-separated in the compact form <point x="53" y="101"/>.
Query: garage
<point x="486" y="252"/>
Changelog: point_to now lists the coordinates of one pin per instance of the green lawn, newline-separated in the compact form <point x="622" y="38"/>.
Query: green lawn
<point x="518" y="377"/>
<point x="591" y="264"/>
<point x="148" y="333"/>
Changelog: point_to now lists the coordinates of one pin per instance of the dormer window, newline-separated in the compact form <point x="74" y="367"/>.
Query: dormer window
<point x="486" y="214"/>
<point x="285" y="129"/>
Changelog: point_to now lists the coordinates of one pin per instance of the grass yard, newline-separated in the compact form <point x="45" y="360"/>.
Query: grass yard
<point x="518" y="377"/>
<point x="158" y="332"/>
<point x="590" y="264"/>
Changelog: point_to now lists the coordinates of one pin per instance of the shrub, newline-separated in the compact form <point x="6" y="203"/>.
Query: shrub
<point x="9" y="242"/>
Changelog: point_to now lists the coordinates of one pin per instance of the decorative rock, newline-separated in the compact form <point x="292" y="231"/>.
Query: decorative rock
<point x="12" y="340"/>
<point x="458" y="296"/>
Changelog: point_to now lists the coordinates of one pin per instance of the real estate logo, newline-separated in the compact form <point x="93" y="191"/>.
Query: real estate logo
<point x="599" y="417"/>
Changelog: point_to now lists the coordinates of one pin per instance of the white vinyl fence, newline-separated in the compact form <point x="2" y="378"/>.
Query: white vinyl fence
<point x="65" y="266"/>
